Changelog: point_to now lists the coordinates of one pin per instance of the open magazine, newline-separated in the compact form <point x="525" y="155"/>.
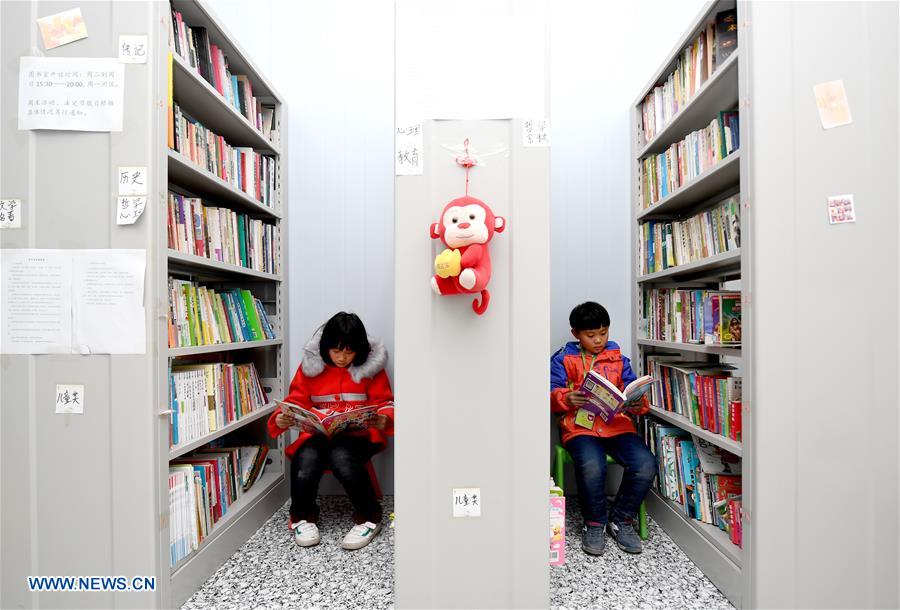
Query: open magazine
<point x="606" y="400"/>
<point x="332" y="424"/>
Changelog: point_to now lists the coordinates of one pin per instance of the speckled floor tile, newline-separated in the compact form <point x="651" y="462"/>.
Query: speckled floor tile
<point x="270" y="571"/>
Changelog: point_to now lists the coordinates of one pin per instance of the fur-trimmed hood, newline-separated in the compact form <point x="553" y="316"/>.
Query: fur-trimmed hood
<point x="313" y="364"/>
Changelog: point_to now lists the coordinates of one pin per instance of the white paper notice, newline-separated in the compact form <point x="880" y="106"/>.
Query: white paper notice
<point x="129" y="209"/>
<point x="408" y="159"/>
<point x="72" y="301"/>
<point x="69" y="398"/>
<point x="536" y="132"/>
<point x="10" y="213"/>
<point x="71" y="93"/>
<point x="132" y="180"/>
<point x="108" y="301"/>
<point x="36" y="302"/>
<point x="466" y="502"/>
<point x="840" y="209"/>
<point x="132" y="49"/>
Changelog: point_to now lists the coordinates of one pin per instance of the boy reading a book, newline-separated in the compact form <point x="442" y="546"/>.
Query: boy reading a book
<point x="589" y="439"/>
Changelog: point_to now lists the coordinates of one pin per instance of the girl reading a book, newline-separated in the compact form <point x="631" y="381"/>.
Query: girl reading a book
<point x="342" y="370"/>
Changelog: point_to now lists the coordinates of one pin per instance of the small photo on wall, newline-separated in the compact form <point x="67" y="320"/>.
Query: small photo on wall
<point x="840" y="209"/>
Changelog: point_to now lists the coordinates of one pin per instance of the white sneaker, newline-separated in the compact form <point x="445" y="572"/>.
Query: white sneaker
<point x="360" y="535"/>
<point x="306" y="533"/>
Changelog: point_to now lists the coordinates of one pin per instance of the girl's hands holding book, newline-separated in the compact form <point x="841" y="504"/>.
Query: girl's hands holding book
<point x="284" y="421"/>
<point x="380" y="422"/>
<point x="576" y="399"/>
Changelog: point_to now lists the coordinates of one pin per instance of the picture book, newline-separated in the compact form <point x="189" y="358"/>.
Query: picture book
<point x="714" y="460"/>
<point x="606" y="400"/>
<point x="329" y="425"/>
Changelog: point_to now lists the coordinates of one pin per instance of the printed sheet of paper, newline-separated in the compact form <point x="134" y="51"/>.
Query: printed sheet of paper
<point x="62" y="28"/>
<point x="108" y="302"/>
<point x="36" y="301"/>
<point x="69" y="398"/>
<point x="132" y="49"/>
<point x="408" y="157"/>
<point x="840" y="209"/>
<point x="71" y="93"/>
<point x="831" y="100"/>
<point x="536" y="132"/>
<point x="10" y="213"/>
<point x="72" y="301"/>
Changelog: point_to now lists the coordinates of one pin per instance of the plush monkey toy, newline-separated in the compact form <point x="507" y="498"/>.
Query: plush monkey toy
<point x="467" y="226"/>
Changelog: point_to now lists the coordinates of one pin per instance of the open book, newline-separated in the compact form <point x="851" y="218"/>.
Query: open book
<point x="332" y="424"/>
<point x="606" y="400"/>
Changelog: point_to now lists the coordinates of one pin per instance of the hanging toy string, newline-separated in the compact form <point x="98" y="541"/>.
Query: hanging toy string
<point x="466" y="162"/>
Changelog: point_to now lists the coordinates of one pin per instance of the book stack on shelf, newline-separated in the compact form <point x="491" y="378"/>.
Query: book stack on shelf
<point x="224" y="239"/>
<point x="688" y="289"/>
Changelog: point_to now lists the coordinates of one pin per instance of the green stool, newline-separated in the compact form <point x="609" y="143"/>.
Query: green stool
<point x="561" y="458"/>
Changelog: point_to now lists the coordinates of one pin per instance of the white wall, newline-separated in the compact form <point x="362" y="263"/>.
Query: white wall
<point x="598" y="64"/>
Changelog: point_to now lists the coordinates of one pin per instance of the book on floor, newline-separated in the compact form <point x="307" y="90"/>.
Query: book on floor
<point x="606" y="400"/>
<point x="332" y="424"/>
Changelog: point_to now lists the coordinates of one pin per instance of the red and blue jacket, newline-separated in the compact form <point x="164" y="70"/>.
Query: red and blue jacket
<point x="567" y="372"/>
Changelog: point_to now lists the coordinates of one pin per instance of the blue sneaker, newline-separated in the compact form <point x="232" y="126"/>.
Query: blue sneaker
<point x="593" y="539"/>
<point x="625" y="536"/>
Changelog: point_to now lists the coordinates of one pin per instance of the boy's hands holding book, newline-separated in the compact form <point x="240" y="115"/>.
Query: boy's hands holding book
<point x="576" y="399"/>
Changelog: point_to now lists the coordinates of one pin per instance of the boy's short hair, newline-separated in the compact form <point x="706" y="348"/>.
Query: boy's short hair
<point x="588" y="316"/>
<point x="345" y="330"/>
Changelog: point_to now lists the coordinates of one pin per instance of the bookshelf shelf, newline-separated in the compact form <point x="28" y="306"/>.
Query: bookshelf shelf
<point x="685" y="424"/>
<point x="716" y="180"/>
<point x="177" y="352"/>
<point x="727" y="263"/>
<point x="720" y="350"/>
<point x="179" y="450"/>
<point x="193" y="261"/>
<point x="198" y="98"/>
<point x="723" y="85"/>
<point x="187" y="174"/>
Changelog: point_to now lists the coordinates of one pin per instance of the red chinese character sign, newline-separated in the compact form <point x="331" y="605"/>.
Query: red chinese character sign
<point x="466" y="227"/>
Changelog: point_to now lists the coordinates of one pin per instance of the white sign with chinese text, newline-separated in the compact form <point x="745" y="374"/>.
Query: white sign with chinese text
<point x="132" y="49"/>
<point x="129" y="209"/>
<point x="536" y="132"/>
<point x="69" y="398"/>
<point x="71" y="93"/>
<point x="466" y="501"/>
<point x="132" y="180"/>
<point x="408" y="157"/>
<point x="840" y="209"/>
<point x="10" y="213"/>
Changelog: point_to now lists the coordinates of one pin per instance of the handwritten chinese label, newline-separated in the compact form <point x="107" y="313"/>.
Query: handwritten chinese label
<point x="129" y="209"/>
<point x="69" y="398"/>
<point x="467" y="502"/>
<point x="132" y="180"/>
<point x="536" y="132"/>
<point x="840" y="209"/>
<point x="132" y="49"/>
<point x="408" y="154"/>
<point x="10" y="213"/>
<point x="71" y="93"/>
<point x="62" y="28"/>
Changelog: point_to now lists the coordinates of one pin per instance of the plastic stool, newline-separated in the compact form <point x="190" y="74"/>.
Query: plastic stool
<point x="561" y="457"/>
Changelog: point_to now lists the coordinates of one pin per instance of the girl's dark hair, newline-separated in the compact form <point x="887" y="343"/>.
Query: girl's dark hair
<point x="589" y="316"/>
<point x="345" y="330"/>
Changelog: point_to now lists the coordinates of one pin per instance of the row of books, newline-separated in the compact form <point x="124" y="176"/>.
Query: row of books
<point x="206" y="397"/>
<point x="694" y="66"/>
<point x="701" y="479"/>
<point x="202" y="487"/>
<point x="194" y="46"/>
<point x="221" y="234"/>
<point x="241" y="167"/>
<point x="708" y="396"/>
<point x="667" y="244"/>
<point x="199" y="315"/>
<point x="710" y="317"/>
<point x="663" y="174"/>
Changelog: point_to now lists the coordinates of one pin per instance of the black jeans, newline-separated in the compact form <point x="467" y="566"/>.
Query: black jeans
<point x="589" y="454"/>
<point x="346" y="455"/>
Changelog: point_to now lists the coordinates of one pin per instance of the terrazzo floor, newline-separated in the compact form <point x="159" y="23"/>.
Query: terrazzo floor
<point x="270" y="571"/>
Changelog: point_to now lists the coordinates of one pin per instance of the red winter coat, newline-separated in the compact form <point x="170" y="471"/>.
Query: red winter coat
<point x="323" y="389"/>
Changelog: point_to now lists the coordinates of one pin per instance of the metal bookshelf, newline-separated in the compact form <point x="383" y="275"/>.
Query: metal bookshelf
<point x="202" y="102"/>
<point x="707" y="546"/>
